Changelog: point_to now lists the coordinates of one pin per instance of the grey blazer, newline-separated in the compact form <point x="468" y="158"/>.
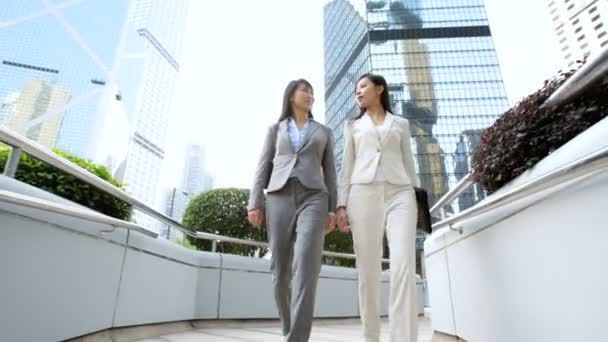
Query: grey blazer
<point x="313" y="164"/>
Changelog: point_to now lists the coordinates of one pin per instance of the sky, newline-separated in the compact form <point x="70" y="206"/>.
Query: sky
<point x="239" y="55"/>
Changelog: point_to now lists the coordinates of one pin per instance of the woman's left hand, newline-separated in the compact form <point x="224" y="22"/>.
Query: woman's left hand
<point x="330" y="224"/>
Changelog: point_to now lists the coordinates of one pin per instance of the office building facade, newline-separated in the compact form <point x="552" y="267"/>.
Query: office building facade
<point x="196" y="179"/>
<point x="439" y="60"/>
<point x="71" y="46"/>
<point x="153" y="38"/>
<point x="36" y="98"/>
<point x="117" y="60"/>
<point x="580" y="27"/>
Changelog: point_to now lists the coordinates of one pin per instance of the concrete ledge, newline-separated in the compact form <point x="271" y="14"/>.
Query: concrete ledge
<point x="165" y="249"/>
<point x="13" y="185"/>
<point x="328" y="271"/>
<point x="239" y="263"/>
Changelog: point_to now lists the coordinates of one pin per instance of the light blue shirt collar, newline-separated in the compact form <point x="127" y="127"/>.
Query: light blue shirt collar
<point x="296" y="135"/>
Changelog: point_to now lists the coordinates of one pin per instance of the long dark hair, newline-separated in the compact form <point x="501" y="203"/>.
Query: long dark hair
<point x="287" y="110"/>
<point x="385" y="100"/>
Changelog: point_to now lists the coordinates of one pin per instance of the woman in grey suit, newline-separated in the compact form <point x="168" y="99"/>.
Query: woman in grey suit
<point x="376" y="194"/>
<point x="297" y="169"/>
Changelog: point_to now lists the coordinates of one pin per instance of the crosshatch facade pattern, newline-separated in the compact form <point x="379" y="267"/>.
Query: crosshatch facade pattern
<point x="439" y="60"/>
<point x="50" y="49"/>
<point x="96" y="79"/>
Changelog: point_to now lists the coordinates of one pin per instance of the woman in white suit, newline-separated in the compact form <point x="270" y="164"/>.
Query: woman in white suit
<point x="376" y="193"/>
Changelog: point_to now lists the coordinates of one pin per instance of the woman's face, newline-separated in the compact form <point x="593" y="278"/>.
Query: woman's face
<point x="303" y="98"/>
<point x="368" y="94"/>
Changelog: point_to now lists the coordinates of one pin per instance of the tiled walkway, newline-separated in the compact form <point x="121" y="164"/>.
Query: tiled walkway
<point x="268" y="331"/>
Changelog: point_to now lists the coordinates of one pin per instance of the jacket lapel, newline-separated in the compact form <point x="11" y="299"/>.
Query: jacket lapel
<point x="283" y="135"/>
<point x="369" y="125"/>
<point x="388" y="122"/>
<point x="312" y="127"/>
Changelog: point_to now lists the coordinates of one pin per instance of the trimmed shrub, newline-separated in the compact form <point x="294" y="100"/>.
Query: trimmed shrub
<point x="223" y="212"/>
<point x="41" y="175"/>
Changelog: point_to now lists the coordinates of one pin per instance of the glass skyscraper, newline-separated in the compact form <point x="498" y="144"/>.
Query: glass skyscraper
<point x="581" y="27"/>
<point x="439" y="60"/>
<point x="94" y="78"/>
<point x="196" y="179"/>
<point x="67" y="45"/>
<point x="153" y="40"/>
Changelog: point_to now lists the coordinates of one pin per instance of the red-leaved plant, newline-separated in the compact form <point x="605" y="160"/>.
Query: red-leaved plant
<point x="525" y="134"/>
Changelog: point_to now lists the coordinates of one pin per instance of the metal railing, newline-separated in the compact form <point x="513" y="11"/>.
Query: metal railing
<point x="90" y="215"/>
<point x="439" y="207"/>
<point x="20" y="144"/>
<point x="592" y="72"/>
<point x="587" y="165"/>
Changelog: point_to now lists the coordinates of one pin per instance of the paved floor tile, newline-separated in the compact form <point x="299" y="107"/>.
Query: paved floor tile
<point x="323" y="331"/>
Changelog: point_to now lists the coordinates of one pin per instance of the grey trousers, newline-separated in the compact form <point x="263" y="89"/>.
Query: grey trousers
<point x="295" y="219"/>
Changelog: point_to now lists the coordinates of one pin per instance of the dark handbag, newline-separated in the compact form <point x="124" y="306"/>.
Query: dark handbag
<point x="424" y="212"/>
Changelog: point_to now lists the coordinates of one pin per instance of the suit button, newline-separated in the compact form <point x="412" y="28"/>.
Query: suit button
<point x="378" y="150"/>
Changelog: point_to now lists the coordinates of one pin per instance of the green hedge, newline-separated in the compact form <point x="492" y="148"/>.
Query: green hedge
<point x="525" y="134"/>
<point x="342" y="243"/>
<point x="223" y="212"/>
<point x="41" y="175"/>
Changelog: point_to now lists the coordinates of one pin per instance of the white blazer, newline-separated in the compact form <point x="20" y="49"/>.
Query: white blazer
<point x="365" y="151"/>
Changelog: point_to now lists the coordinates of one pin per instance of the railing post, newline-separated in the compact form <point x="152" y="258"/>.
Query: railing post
<point x="423" y="266"/>
<point x="442" y="212"/>
<point x="12" y="163"/>
<point x="214" y="246"/>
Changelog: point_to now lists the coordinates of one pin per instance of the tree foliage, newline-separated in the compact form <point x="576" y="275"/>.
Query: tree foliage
<point x="223" y="212"/>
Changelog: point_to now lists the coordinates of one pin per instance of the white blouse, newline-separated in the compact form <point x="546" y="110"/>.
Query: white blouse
<point x="381" y="130"/>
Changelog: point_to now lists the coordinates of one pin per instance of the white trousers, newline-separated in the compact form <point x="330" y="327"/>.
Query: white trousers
<point x="372" y="208"/>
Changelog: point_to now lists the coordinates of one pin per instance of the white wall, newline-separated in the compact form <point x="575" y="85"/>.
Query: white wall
<point x="55" y="283"/>
<point x="524" y="273"/>
<point x="63" y="277"/>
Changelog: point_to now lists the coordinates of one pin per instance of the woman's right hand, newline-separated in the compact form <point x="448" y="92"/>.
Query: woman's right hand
<point x="342" y="218"/>
<point x="255" y="217"/>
